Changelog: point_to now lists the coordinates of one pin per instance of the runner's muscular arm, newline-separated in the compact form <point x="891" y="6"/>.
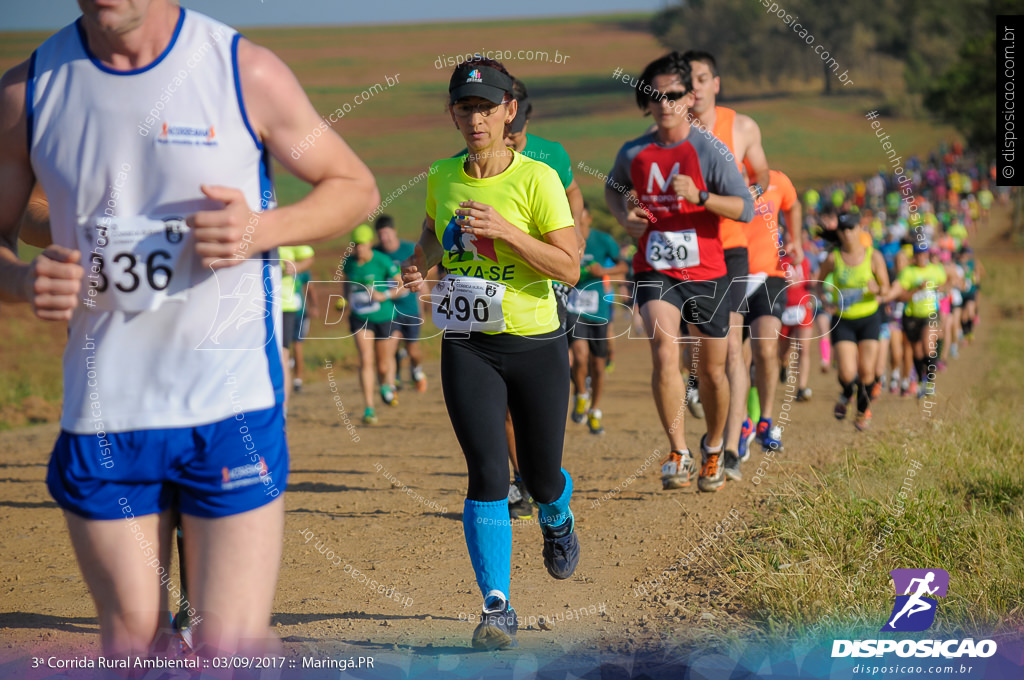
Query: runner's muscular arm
<point x="16" y="179"/>
<point x="897" y="293"/>
<point x="35" y="223"/>
<point x="827" y="267"/>
<point x="52" y="280"/>
<point x="432" y="250"/>
<point x="557" y="256"/>
<point x="953" y="279"/>
<point x="754" y="157"/>
<point x="344" y="190"/>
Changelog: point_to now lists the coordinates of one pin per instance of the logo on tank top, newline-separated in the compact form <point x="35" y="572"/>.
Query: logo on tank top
<point x="187" y="135"/>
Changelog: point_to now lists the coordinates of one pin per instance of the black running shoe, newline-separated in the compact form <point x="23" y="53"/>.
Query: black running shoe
<point x="840" y="409"/>
<point x="731" y="466"/>
<point x="519" y="501"/>
<point x="562" y="554"/>
<point x="497" y="630"/>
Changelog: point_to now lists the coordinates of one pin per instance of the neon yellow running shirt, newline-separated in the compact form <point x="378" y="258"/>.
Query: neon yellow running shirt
<point x="530" y="196"/>
<point x="291" y="297"/>
<point x="856" y="302"/>
<point x="924" y="302"/>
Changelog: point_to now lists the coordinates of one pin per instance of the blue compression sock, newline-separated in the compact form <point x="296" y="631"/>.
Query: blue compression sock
<point x="557" y="513"/>
<point x="489" y="539"/>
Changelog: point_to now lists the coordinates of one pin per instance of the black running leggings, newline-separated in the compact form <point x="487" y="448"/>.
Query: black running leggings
<point x="482" y="376"/>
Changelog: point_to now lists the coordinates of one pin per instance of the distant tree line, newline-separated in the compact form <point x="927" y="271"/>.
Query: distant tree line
<point x="947" y="48"/>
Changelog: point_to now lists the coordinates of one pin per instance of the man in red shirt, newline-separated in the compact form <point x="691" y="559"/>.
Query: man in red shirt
<point x="685" y="181"/>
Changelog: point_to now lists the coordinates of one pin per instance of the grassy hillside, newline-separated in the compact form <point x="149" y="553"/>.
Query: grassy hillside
<point x="400" y="130"/>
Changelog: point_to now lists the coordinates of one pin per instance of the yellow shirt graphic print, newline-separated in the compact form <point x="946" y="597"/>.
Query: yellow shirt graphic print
<point x="529" y="195"/>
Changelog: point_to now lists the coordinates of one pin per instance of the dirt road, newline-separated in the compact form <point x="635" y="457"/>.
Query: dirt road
<point x="386" y="501"/>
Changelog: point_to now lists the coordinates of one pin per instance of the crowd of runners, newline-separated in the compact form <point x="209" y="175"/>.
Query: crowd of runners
<point x="732" y="277"/>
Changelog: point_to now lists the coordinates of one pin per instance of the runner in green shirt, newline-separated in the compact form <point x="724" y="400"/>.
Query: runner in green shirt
<point x="408" y="318"/>
<point x="918" y="286"/>
<point x="373" y="282"/>
<point x="587" y="319"/>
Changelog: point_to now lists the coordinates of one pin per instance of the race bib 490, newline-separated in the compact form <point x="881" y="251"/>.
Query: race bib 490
<point x="466" y="303"/>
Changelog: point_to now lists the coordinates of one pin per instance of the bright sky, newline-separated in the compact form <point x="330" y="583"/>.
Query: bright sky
<point x="52" y="14"/>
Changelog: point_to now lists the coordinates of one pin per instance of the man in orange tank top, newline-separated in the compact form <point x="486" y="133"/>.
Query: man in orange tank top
<point x="741" y="136"/>
<point x="766" y="301"/>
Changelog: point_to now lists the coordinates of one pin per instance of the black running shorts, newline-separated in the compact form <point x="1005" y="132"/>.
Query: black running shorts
<point x="702" y="304"/>
<point x="913" y="327"/>
<point x="768" y="299"/>
<point x="857" y="330"/>
<point x="596" y="334"/>
<point x="737" y="265"/>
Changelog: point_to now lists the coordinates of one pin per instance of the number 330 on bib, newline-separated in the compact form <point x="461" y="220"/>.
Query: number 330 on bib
<point x="673" y="249"/>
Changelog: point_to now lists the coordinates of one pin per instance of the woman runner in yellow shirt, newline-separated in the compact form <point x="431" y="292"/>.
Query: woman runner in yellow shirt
<point x="500" y="225"/>
<point x="861" y="278"/>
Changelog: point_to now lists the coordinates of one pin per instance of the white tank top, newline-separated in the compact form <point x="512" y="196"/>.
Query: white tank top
<point x="157" y="341"/>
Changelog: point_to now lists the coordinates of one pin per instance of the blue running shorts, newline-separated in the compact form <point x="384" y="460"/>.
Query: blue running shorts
<point x="216" y="470"/>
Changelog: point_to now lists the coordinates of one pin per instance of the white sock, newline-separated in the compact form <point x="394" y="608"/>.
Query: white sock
<point x="497" y="601"/>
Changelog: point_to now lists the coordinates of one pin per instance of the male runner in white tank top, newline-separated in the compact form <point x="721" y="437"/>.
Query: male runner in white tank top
<point x="151" y="130"/>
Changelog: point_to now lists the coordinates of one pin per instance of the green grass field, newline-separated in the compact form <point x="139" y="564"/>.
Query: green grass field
<point x="399" y="131"/>
<point x="794" y="567"/>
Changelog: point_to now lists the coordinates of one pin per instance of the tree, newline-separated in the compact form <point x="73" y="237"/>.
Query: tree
<point x="965" y="95"/>
<point x="744" y="40"/>
<point x="754" y="45"/>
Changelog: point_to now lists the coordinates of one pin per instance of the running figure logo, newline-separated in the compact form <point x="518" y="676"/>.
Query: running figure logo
<point x="914" y="611"/>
